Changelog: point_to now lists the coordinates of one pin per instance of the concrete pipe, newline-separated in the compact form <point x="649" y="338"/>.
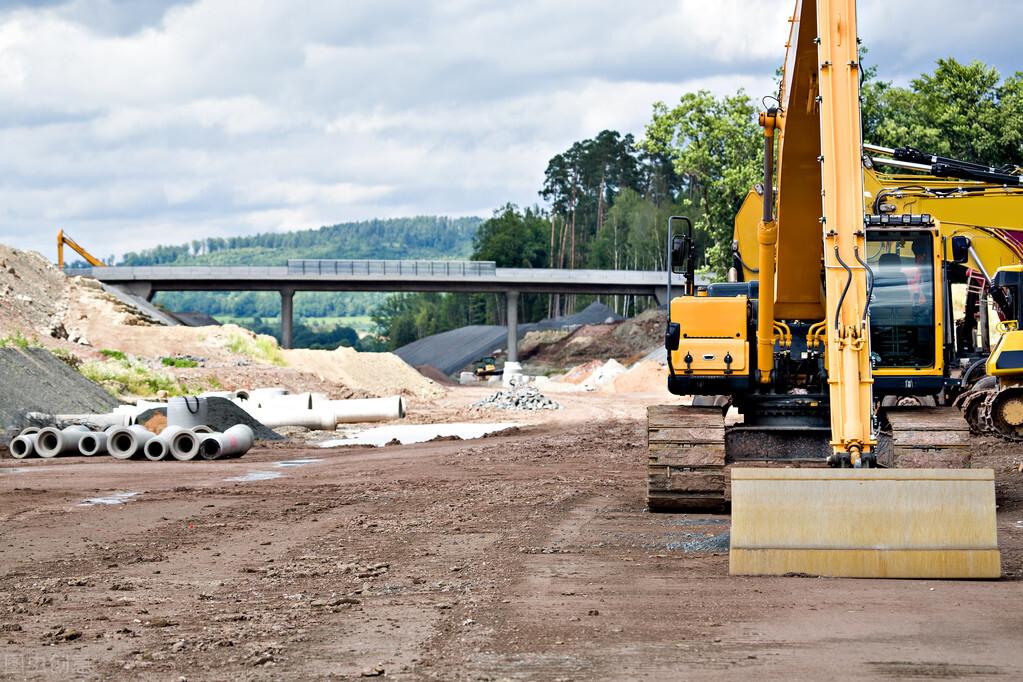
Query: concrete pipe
<point x="184" y="443"/>
<point x="23" y="446"/>
<point x="187" y="411"/>
<point x="162" y="447"/>
<point x="128" y="441"/>
<point x="234" y="442"/>
<point x="52" y="441"/>
<point x="30" y="430"/>
<point x="297" y="401"/>
<point x="368" y="409"/>
<point x="202" y="428"/>
<point x="320" y="419"/>
<point x="94" y="443"/>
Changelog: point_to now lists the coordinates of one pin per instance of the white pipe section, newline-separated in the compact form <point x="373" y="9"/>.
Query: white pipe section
<point x="368" y="409"/>
<point x="127" y="441"/>
<point x="234" y="442"/>
<point x="52" y="441"/>
<point x="94" y="443"/>
<point x="24" y="445"/>
<point x="30" y="430"/>
<point x="162" y="446"/>
<point x="202" y="428"/>
<point x="320" y="419"/>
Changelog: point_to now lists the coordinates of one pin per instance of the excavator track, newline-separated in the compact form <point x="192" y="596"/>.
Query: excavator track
<point x="1004" y="412"/>
<point x="925" y="438"/>
<point x="686" y="471"/>
<point x="971" y="404"/>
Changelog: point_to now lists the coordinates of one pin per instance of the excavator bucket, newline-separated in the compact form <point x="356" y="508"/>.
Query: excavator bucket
<point x="864" y="523"/>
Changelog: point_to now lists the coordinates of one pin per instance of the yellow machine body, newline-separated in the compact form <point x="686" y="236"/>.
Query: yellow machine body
<point x="855" y="522"/>
<point x="714" y="335"/>
<point x="1006" y="360"/>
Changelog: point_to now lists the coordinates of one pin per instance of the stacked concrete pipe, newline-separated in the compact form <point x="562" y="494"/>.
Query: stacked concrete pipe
<point x="95" y="442"/>
<point x="51" y="441"/>
<point x="126" y="442"/>
<point x="24" y="444"/>
<point x="184" y="443"/>
<point x="234" y="442"/>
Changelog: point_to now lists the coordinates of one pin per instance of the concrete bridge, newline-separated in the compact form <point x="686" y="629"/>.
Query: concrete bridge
<point x="385" y="275"/>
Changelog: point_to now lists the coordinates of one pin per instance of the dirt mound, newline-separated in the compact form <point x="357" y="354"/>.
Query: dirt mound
<point x="378" y="373"/>
<point x="33" y="295"/>
<point x="623" y="341"/>
<point x="34" y="380"/>
<point x="643" y="377"/>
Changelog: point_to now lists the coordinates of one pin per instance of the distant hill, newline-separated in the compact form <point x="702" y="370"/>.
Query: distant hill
<point x="422" y="237"/>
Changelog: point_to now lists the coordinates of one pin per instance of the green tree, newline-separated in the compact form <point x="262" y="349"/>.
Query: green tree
<point x="715" y="146"/>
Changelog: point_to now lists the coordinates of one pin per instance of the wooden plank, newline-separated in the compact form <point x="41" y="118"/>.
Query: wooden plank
<point x="685" y="502"/>
<point x="941" y="458"/>
<point x="687" y="434"/>
<point x="666" y="416"/>
<point x="916" y="438"/>
<point x="694" y="455"/>
<point x="685" y="481"/>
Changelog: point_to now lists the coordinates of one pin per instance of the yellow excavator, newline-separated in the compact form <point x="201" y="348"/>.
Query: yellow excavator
<point x="983" y="205"/>
<point x="63" y="239"/>
<point x="845" y="308"/>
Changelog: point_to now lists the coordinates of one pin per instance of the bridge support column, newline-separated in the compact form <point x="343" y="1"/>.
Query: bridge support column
<point x="512" y="299"/>
<point x="287" y="314"/>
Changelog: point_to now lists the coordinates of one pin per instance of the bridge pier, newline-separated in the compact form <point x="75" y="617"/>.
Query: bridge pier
<point x="287" y="315"/>
<point x="512" y="299"/>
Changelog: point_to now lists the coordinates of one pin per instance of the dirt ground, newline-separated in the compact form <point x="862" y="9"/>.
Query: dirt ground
<point x="516" y="557"/>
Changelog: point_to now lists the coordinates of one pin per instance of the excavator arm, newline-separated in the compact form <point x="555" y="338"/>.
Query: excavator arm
<point x="63" y="239"/>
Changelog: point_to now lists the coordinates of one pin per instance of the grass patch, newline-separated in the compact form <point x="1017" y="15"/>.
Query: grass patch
<point x="261" y="348"/>
<point x="186" y="363"/>
<point x="17" y="340"/>
<point x="130" y="377"/>
<point x="113" y="354"/>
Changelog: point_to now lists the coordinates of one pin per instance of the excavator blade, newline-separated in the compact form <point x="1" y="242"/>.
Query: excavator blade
<point x="864" y="523"/>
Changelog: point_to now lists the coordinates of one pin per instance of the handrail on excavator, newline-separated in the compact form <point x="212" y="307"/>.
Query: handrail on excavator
<point x="63" y="239"/>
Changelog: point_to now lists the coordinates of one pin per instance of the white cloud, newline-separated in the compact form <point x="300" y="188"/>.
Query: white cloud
<point x="133" y="123"/>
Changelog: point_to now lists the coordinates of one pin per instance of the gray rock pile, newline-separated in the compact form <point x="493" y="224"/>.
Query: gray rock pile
<point x="523" y="397"/>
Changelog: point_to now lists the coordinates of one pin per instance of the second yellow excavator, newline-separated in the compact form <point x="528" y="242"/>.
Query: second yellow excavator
<point x="845" y="309"/>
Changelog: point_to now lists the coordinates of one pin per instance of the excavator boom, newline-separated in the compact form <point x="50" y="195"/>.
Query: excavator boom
<point x="63" y="239"/>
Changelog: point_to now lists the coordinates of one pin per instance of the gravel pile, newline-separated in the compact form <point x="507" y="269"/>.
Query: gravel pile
<point x="519" y="398"/>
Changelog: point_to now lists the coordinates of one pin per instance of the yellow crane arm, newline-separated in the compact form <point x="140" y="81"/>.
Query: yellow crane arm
<point x="63" y="239"/>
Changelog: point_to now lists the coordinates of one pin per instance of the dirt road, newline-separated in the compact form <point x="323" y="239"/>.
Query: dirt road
<point x="522" y="556"/>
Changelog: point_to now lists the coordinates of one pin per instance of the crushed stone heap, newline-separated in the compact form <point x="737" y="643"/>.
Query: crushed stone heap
<point x="518" y="398"/>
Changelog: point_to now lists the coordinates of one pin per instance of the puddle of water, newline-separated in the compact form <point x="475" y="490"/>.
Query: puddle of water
<point x="112" y="498"/>
<point x="15" y="470"/>
<point x="696" y="542"/>
<point x="255" y="476"/>
<point x="407" y="434"/>
<point x="296" y="462"/>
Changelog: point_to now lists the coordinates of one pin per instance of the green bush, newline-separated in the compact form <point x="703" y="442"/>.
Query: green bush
<point x="261" y="348"/>
<point x="130" y="378"/>
<point x="17" y="340"/>
<point x="179" y="362"/>
<point x="113" y="354"/>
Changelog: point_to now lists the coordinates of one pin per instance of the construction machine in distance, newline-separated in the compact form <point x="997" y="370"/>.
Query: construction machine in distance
<point x="843" y="309"/>
<point x="63" y="239"/>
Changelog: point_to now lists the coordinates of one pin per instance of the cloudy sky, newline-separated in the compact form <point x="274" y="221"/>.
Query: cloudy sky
<point x="131" y="123"/>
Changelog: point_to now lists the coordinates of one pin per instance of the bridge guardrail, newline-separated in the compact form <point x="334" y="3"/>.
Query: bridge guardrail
<point x="404" y="268"/>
